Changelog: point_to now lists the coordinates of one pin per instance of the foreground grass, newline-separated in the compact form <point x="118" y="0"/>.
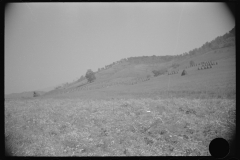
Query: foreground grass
<point x="117" y="127"/>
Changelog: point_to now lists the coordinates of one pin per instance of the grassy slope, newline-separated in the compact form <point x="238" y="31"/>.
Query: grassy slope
<point x="167" y="115"/>
<point x="217" y="81"/>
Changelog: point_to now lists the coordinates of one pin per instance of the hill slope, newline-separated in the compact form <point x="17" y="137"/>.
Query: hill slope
<point x="124" y="80"/>
<point x="133" y="69"/>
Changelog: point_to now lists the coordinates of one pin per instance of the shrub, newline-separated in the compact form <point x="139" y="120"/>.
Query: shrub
<point x="192" y="63"/>
<point x="159" y="72"/>
<point x="90" y="76"/>
<point x="155" y="72"/>
<point x="35" y="94"/>
<point x="175" y="65"/>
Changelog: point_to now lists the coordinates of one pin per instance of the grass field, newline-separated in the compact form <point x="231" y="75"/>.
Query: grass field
<point x="143" y="127"/>
<point x="165" y="116"/>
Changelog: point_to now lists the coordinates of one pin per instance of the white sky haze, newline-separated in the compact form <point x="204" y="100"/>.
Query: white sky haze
<point x="47" y="44"/>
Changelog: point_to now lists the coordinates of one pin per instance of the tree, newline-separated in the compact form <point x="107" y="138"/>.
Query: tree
<point x="192" y="63"/>
<point x="90" y="76"/>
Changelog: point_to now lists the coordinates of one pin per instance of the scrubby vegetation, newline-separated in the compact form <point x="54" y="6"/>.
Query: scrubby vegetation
<point x="175" y="65"/>
<point x="159" y="72"/>
<point x="117" y="127"/>
<point x="35" y="94"/>
<point x="192" y="63"/>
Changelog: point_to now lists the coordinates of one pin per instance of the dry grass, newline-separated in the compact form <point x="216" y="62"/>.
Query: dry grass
<point x="117" y="127"/>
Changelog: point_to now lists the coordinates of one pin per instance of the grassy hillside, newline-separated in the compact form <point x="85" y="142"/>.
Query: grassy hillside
<point x="132" y="68"/>
<point x="131" y="80"/>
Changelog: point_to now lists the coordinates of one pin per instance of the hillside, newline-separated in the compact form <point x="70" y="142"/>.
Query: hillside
<point x="131" y="80"/>
<point x="134" y="69"/>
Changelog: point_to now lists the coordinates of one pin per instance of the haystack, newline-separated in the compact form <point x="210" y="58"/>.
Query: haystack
<point x="184" y="73"/>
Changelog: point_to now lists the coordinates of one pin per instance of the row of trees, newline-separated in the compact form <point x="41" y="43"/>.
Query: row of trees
<point x="149" y="59"/>
<point x="112" y="64"/>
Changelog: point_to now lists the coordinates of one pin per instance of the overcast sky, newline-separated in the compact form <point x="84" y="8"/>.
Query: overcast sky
<point x="47" y="44"/>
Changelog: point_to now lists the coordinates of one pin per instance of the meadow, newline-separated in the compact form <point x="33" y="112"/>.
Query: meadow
<point x="120" y="127"/>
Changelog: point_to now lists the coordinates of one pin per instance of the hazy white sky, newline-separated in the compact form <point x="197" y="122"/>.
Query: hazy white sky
<point x="47" y="44"/>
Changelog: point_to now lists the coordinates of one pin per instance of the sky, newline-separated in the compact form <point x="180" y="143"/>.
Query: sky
<point x="47" y="44"/>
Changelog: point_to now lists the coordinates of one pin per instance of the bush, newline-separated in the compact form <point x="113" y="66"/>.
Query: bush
<point x="192" y="63"/>
<point x="175" y="65"/>
<point x="155" y="72"/>
<point x="159" y="72"/>
<point x="58" y="87"/>
<point x="35" y="94"/>
<point x="90" y="76"/>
